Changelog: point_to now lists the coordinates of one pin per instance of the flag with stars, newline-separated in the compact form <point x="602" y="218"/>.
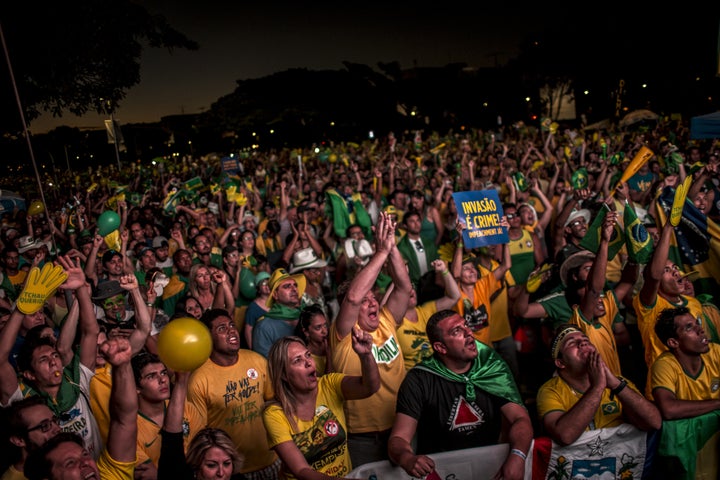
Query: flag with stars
<point x="695" y="243"/>
<point x="637" y="239"/>
<point x="618" y="452"/>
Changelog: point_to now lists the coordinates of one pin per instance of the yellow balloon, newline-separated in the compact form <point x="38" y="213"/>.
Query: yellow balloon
<point x="184" y="344"/>
<point x="36" y="208"/>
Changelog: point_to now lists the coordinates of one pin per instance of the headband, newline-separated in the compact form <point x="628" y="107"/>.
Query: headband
<point x="557" y="343"/>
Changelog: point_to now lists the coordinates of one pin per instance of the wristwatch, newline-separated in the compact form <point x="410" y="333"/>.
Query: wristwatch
<point x="616" y="391"/>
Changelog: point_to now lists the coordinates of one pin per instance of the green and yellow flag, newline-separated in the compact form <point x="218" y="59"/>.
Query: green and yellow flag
<point x="637" y="239"/>
<point x="591" y="240"/>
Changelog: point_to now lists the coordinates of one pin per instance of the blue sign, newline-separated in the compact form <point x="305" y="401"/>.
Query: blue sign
<point x="481" y="212"/>
<point x="230" y="165"/>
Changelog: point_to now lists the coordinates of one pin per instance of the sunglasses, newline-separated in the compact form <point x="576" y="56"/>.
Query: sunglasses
<point x="45" y="426"/>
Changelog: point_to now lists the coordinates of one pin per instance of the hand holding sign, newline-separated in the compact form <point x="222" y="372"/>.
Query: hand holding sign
<point x="40" y="285"/>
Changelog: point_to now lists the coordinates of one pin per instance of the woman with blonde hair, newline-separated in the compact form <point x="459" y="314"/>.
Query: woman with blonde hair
<point x="305" y="421"/>
<point x="211" y="454"/>
<point x="211" y="287"/>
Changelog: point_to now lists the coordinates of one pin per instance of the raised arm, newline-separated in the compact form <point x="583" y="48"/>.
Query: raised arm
<point x="223" y="291"/>
<point x="8" y="375"/>
<point x="452" y="291"/>
<point x="139" y="335"/>
<point x="397" y="301"/>
<point x="358" y="387"/>
<point x="122" y="437"/>
<point x="596" y="277"/>
<point x="653" y="272"/>
<point x="365" y="278"/>
<point x="91" y="265"/>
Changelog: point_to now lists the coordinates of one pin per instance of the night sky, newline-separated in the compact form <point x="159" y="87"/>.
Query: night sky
<point x="244" y="40"/>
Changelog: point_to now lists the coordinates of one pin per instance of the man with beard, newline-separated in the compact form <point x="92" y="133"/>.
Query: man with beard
<point x="29" y="423"/>
<point x="462" y="374"/>
<point x="205" y="253"/>
<point x="419" y="252"/>
<point x="284" y="302"/>
<point x="229" y="391"/>
<point x="178" y="285"/>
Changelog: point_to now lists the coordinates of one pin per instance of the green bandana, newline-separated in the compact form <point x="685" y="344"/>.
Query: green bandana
<point x="68" y="393"/>
<point x="488" y="372"/>
<point x="283" y="312"/>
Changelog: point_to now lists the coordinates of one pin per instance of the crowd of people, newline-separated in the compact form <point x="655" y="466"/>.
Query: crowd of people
<point x="350" y="320"/>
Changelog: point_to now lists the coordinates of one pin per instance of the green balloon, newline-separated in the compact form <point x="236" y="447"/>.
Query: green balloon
<point x="108" y="222"/>
<point x="248" y="289"/>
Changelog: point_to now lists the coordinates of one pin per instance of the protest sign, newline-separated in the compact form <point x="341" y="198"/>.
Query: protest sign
<point x="481" y="212"/>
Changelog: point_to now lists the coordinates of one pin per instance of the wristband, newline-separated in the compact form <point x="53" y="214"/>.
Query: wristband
<point x="445" y="273"/>
<point x="149" y="304"/>
<point x="519" y="453"/>
<point x="616" y="391"/>
<point x="460" y="244"/>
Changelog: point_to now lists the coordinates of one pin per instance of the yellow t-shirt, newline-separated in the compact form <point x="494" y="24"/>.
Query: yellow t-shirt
<point x="149" y="439"/>
<point x="377" y="412"/>
<point x="647" y="316"/>
<point x="667" y="373"/>
<point x="18" y="280"/>
<point x="111" y="469"/>
<point x="322" y="440"/>
<point x="557" y="396"/>
<point x="480" y="317"/>
<point x="232" y="398"/>
<point x="412" y="337"/>
<point x="12" y="474"/>
<point x="600" y="332"/>
<point x="100" y="385"/>
<point x="499" y="313"/>
<point x="320" y="364"/>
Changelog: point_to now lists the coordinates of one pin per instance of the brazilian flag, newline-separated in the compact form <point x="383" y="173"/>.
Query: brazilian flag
<point x="695" y="243"/>
<point x="591" y="240"/>
<point x="637" y="239"/>
<point x="580" y="179"/>
<point x="336" y="208"/>
<point x="681" y="441"/>
<point x="520" y="182"/>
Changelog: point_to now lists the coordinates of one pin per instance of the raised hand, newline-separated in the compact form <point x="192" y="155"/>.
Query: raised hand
<point x="39" y="286"/>
<point x="129" y="282"/>
<point x="362" y="341"/>
<point x="75" y="274"/>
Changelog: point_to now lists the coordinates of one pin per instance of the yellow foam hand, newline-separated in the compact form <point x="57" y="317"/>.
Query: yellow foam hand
<point x="231" y="193"/>
<point x="241" y="199"/>
<point x="679" y="201"/>
<point x="40" y="285"/>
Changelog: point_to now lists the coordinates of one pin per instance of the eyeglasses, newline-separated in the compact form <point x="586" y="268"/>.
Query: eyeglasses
<point x="419" y="246"/>
<point x="45" y="426"/>
<point x="577" y="223"/>
<point x="510" y="216"/>
<point x="113" y="302"/>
